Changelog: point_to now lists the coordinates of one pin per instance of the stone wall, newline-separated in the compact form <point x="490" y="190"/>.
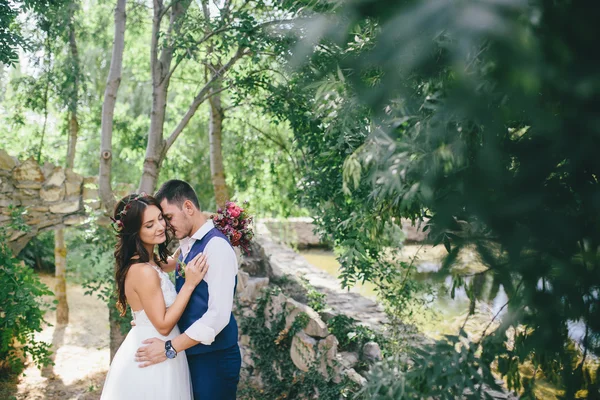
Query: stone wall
<point x="275" y="264"/>
<point x="312" y="346"/>
<point x="53" y="197"/>
<point x="300" y="232"/>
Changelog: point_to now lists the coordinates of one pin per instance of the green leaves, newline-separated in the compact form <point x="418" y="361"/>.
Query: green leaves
<point x="351" y="174"/>
<point x="22" y="312"/>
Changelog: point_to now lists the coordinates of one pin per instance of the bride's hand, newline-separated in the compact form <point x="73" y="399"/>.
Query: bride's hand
<point x="196" y="269"/>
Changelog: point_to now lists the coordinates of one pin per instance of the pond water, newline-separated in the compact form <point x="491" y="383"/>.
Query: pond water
<point x="444" y="314"/>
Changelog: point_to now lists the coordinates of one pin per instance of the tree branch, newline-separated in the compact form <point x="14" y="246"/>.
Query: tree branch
<point x="201" y="97"/>
<point x="277" y="142"/>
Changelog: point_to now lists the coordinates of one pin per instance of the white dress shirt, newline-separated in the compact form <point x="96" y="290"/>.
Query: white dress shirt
<point x="220" y="277"/>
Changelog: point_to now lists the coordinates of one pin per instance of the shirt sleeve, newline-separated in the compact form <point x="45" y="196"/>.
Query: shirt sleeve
<point x="220" y="278"/>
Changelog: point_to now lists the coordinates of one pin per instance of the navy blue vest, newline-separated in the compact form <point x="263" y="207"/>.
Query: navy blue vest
<point x="198" y="303"/>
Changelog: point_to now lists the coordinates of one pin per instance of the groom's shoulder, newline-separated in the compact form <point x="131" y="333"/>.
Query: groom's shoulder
<point x="218" y="241"/>
<point x="220" y="244"/>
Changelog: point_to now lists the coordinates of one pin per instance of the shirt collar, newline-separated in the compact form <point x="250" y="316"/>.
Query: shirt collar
<point x="204" y="229"/>
<point x="188" y="242"/>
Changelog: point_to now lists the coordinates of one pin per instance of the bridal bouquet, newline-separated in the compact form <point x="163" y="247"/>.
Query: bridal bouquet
<point x="234" y="221"/>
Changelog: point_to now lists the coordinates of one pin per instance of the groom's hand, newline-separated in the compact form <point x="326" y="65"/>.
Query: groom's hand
<point x="151" y="354"/>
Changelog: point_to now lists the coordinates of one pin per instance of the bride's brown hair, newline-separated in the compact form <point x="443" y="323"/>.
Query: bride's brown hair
<point x="128" y="222"/>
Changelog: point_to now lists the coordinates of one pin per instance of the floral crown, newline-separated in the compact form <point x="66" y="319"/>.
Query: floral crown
<point x="117" y="223"/>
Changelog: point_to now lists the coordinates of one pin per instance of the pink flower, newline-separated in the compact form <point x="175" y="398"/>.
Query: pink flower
<point x="235" y="211"/>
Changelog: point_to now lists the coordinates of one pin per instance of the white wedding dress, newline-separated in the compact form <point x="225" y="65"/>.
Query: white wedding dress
<point x="169" y="379"/>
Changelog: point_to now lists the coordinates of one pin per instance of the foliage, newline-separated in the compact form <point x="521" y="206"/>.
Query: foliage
<point x="270" y="186"/>
<point x="453" y="364"/>
<point x="351" y="335"/>
<point x="39" y="252"/>
<point x="481" y="116"/>
<point x="22" y="311"/>
<point x="11" y="35"/>
<point x="316" y="299"/>
<point x="90" y="252"/>
<point x="264" y="169"/>
<point x="101" y="281"/>
<point x="271" y="349"/>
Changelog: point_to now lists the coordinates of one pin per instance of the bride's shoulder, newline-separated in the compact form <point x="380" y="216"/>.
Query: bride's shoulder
<point x="142" y="269"/>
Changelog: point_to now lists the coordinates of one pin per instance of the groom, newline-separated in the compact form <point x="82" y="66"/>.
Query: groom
<point x="209" y="330"/>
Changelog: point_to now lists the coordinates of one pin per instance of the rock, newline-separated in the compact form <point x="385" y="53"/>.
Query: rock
<point x="247" y="358"/>
<point x="242" y="281"/>
<point x="73" y="177"/>
<point x="66" y="207"/>
<point x="414" y="233"/>
<point x="328" y="354"/>
<point x="28" y="185"/>
<point x="248" y="313"/>
<point x="275" y="308"/>
<point x="94" y="205"/>
<point x="47" y="169"/>
<point x="316" y="327"/>
<point x="327" y="315"/>
<point x="5" y="187"/>
<point x="296" y="231"/>
<point x="90" y="180"/>
<point x="73" y="185"/>
<point x="28" y="171"/>
<point x="9" y="202"/>
<point x="355" y="377"/>
<point x="245" y="340"/>
<point x="16" y="235"/>
<point x="25" y="194"/>
<point x="50" y="222"/>
<point x="56" y="178"/>
<point x="372" y="352"/>
<point x="253" y="290"/>
<point x="348" y="359"/>
<point x="6" y="161"/>
<point x="52" y="193"/>
<point x="256" y="380"/>
<point x="90" y="194"/>
<point x="74" y="220"/>
<point x="303" y="351"/>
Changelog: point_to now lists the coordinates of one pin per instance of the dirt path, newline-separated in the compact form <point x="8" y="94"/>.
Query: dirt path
<point x="82" y="358"/>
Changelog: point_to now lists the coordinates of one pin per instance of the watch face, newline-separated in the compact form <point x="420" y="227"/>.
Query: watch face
<point x="171" y="353"/>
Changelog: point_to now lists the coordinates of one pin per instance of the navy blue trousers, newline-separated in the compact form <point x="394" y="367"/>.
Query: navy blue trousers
<point x="215" y="375"/>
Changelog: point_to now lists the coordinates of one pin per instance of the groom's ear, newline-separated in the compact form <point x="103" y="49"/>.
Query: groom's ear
<point x="188" y="207"/>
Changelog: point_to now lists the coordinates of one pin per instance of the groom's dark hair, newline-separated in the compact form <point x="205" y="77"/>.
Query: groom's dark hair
<point x="176" y="192"/>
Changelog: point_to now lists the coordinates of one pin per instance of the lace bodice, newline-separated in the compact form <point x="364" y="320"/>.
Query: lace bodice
<point x="169" y="294"/>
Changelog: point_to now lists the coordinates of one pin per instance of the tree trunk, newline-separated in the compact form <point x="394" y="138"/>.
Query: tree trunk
<point x="108" y="108"/>
<point x="116" y="337"/>
<point x="215" y="131"/>
<point x="154" y="148"/>
<point x="160" y="66"/>
<point x="60" y="262"/>
<point x="60" y="250"/>
<point x="73" y="133"/>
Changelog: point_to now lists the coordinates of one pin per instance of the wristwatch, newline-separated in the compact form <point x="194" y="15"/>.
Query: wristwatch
<point x="170" y="351"/>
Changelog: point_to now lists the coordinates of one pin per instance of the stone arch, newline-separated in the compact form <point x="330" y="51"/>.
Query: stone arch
<point x="53" y="197"/>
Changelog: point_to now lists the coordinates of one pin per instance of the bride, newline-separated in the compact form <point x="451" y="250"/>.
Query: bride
<point x="143" y="283"/>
